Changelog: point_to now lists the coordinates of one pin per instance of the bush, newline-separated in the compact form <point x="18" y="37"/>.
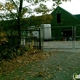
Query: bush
<point x="7" y="54"/>
<point x="29" y="47"/>
<point x="11" y="53"/>
<point x="3" y="36"/>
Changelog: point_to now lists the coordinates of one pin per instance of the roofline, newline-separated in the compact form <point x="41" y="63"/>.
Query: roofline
<point x="67" y="12"/>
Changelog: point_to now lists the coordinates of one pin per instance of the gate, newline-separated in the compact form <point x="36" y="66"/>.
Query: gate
<point x="32" y="37"/>
<point x="63" y="38"/>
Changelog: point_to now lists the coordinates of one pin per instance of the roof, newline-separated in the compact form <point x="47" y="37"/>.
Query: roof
<point x="66" y="17"/>
<point x="77" y="16"/>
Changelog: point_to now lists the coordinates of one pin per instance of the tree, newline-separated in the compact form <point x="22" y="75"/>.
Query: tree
<point x="37" y="21"/>
<point x="15" y="9"/>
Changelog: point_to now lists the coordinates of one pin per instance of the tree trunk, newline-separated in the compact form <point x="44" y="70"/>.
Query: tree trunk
<point x="19" y="23"/>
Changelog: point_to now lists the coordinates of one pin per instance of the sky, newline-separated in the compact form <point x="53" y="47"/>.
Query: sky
<point x="73" y="7"/>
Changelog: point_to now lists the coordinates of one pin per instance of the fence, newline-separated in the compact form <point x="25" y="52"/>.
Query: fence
<point x="32" y="37"/>
<point x="59" y="37"/>
<point x="28" y="37"/>
<point x="63" y="38"/>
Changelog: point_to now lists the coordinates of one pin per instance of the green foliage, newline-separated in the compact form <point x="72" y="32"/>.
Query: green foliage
<point x="29" y="47"/>
<point x="17" y="5"/>
<point x="37" y="21"/>
<point x="20" y="51"/>
<point x="7" y="54"/>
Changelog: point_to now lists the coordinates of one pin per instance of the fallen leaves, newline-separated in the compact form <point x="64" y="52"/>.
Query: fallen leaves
<point x="59" y="68"/>
<point x="28" y="57"/>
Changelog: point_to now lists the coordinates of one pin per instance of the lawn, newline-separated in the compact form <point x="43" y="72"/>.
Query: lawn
<point x="55" y="66"/>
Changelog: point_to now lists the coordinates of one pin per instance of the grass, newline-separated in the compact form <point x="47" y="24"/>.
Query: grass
<point x="56" y="66"/>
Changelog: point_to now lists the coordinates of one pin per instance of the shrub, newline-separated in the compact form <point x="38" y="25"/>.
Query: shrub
<point x="7" y="54"/>
<point x="3" y="36"/>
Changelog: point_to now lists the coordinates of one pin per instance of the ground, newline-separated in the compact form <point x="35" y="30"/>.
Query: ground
<point x="58" y="65"/>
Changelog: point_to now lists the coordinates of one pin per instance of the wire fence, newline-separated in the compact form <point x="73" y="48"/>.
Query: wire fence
<point x="63" y="37"/>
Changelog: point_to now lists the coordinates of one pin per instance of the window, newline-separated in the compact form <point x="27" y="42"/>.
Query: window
<point x="58" y="18"/>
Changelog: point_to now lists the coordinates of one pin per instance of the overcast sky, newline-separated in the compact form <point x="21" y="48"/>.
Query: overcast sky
<point x="72" y="7"/>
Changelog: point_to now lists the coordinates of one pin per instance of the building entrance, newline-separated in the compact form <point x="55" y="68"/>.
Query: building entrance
<point x="67" y="35"/>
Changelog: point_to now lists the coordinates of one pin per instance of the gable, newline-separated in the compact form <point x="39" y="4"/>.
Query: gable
<point x="66" y="17"/>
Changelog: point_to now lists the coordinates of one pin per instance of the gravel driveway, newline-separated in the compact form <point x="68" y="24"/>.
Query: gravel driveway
<point x="62" y="46"/>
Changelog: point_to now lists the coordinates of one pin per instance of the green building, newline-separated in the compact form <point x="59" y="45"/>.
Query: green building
<point x="64" y="25"/>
